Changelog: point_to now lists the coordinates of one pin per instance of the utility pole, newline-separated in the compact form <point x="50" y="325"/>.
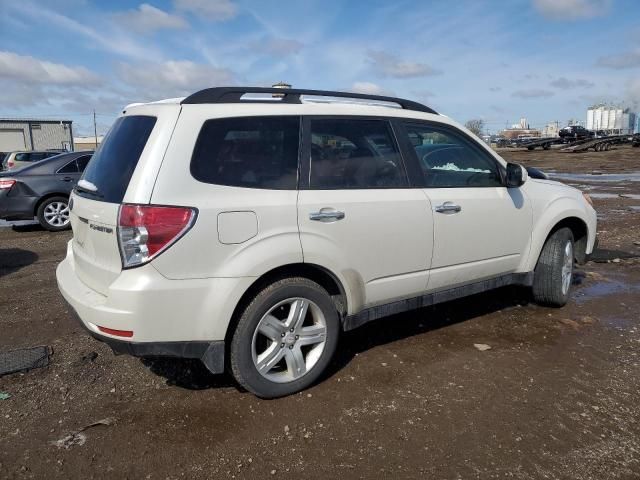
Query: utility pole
<point x="95" y="129"/>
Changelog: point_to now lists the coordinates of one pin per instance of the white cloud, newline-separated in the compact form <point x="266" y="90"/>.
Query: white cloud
<point x="277" y="46"/>
<point x="572" y="9"/>
<point x="31" y="70"/>
<point x="390" y="65"/>
<point x="369" y="88"/>
<point x="567" y="84"/>
<point x="172" y="78"/>
<point x="219" y="10"/>
<point x="532" y="93"/>
<point x="104" y="37"/>
<point x="147" y="18"/>
<point x="621" y="61"/>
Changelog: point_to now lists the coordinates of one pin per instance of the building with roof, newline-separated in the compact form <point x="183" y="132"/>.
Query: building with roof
<point x="35" y="134"/>
<point x="87" y="143"/>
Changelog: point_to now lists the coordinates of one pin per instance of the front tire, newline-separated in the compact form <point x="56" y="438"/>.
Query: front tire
<point x="285" y="338"/>
<point x="554" y="271"/>
<point x="53" y="214"/>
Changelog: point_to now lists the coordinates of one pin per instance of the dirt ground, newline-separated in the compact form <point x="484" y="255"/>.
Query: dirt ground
<point x="556" y="396"/>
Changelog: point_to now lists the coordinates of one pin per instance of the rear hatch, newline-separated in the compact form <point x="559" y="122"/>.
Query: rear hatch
<point x="122" y="170"/>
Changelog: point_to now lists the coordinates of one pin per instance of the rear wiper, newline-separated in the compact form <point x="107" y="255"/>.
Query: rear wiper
<point x="94" y="193"/>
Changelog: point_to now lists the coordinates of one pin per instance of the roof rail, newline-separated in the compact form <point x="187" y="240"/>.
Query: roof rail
<point x="290" y="95"/>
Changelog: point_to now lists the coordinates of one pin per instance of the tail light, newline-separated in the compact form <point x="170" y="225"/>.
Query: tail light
<point x="11" y="163"/>
<point x="6" y="183"/>
<point x="145" y="231"/>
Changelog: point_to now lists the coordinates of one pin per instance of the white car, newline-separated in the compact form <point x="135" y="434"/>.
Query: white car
<point x="249" y="227"/>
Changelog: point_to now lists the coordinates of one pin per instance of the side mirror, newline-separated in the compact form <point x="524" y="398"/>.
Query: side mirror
<point x="516" y="175"/>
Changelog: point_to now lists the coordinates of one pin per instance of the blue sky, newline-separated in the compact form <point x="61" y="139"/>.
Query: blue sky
<point x="498" y="60"/>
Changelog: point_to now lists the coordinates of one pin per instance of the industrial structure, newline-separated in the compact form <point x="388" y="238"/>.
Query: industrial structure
<point x="35" y="134"/>
<point x="615" y="119"/>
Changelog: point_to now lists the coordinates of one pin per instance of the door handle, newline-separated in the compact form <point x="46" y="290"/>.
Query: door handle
<point x="325" y="215"/>
<point x="448" y="207"/>
<point x="66" y="179"/>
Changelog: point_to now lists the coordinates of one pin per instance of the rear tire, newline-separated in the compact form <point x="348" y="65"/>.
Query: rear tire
<point x="285" y="338"/>
<point x="53" y="214"/>
<point x="554" y="271"/>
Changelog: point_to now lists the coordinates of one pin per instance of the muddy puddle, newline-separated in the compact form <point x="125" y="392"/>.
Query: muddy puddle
<point x="596" y="177"/>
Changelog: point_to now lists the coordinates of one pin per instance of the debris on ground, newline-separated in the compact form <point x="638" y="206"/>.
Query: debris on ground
<point x="78" y="437"/>
<point x="24" y="359"/>
<point x="570" y="323"/>
<point x="90" y="357"/>
<point x="4" y="396"/>
<point x="482" y="346"/>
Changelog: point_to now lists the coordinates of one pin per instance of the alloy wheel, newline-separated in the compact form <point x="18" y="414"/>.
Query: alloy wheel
<point x="289" y="340"/>
<point x="56" y="214"/>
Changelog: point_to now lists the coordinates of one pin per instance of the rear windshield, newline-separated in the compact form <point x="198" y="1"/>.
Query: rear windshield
<point x="111" y="167"/>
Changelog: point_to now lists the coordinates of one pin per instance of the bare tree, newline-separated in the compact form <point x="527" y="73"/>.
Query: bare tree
<point x="476" y="125"/>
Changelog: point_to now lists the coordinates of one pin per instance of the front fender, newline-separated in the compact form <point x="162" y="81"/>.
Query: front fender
<point x="551" y="214"/>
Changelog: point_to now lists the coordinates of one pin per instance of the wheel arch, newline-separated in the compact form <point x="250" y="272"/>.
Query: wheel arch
<point x="579" y="229"/>
<point x="319" y="274"/>
<point x="45" y="197"/>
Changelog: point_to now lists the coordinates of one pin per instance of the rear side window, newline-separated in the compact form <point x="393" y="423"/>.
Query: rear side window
<point x="353" y="153"/>
<point x="113" y="164"/>
<point x="252" y="152"/>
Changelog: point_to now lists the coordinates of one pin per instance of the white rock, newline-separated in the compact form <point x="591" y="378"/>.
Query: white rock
<point x="482" y="346"/>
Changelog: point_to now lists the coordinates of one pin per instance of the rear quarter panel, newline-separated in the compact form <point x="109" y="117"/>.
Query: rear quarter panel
<point x="201" y="253"/>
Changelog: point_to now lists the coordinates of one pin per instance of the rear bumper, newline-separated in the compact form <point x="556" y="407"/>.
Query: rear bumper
<point x="211" y="354"/>
<point x="179" y="318"/>
<point x="17" y="207"/>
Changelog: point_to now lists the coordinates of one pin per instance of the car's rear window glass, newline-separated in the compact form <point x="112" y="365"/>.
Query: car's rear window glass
<point x="253" y="152"/>
<point x="113" y="164"/>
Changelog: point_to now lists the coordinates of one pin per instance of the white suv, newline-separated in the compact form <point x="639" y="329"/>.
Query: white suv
<point x="248" y="227"/>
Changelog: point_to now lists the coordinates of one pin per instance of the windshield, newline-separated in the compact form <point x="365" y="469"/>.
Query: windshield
<point x="113" y="164"/>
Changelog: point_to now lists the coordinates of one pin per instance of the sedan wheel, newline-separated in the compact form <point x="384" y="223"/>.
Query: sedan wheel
<point x="54" y="214"/>
<point x="57" y="214"/>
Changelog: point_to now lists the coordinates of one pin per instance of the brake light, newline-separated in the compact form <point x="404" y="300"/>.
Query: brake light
<point x="11" y="163"/>
<point x="145" y="231"/>
<point x="6" y="183"/>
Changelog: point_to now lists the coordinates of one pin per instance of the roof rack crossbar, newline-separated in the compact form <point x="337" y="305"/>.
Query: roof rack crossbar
<point x="290" y="95"/>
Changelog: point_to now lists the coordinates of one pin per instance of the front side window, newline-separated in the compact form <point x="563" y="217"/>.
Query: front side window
<point x="449" y="159"/>
<point x="251" y="152"/>
<point x="354" y="153"/>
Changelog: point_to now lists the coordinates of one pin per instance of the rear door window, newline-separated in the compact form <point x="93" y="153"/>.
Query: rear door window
<point x="252" y="152"/>
<point x="71" y="167"/>
<point x="113" y="164"/>
<point x="83" y="162"/>
<point x="354" y="154"/>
